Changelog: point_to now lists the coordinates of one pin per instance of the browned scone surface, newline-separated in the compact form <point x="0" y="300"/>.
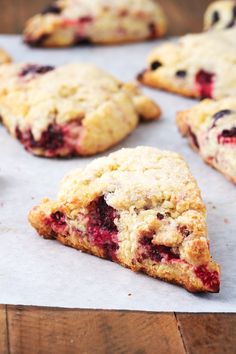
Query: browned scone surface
<point x="70" y="22"/>
<point x="210" y="127"/>
<point x="138" y="207"/>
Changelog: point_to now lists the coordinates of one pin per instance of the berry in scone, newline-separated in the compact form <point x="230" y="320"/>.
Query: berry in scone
<point x="138" y="207"/>
<point x="220" y="15"/>
<point x="75" y="109"/>
<point x="71" y="22"/>
<point x="4" y="57"/>
<point x="211" y="129"/>
<point x="198" y="65"/>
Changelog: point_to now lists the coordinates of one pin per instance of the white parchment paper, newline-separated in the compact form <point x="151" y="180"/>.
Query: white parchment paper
<point x="34" y="271"/>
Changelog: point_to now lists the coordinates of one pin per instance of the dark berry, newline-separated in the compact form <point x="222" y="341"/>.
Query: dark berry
<point x="233" y="21"/>
<point x="228" y="136"/>
<point x="155" y="65"/>
<point x="52" y="9"/>
<point x="215" y="17"/>
<point x="160" y="216"/>
<point x="181" y="73"/>
<point x="219" y="115"/>
<point x="204" y="82"/>
<point x="152" y="30"/>
<point x="193" y="138"/>
<point x="32" y="69"/>
<point x="209" y="279"/>
<point x="59" y="218"/>
<point x="101" y="228"/>
<point x="184" y="230"/>
<point x="146" y="240"/>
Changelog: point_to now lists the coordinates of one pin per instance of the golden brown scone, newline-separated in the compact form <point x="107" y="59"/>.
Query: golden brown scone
<point x="211" y="129"/>
<point x="138" y="207"/>
<point x="75" y="109"/>
<point x="220" y="15"/>
<point x="197" y="65"/>
<point x="71" y="22"/>
<point x="4" y="57"/>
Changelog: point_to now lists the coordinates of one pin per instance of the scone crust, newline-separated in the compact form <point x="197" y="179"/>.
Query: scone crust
<point x="69" y="22"/>
<point x="4" y="57"/>
<point x="155" y="203"/>
<point x="200" y="124"/>
<point x="188" y="67"/>
<point x="84" y="108"/>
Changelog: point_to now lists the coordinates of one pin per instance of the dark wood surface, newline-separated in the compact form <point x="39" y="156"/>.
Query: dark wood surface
<point x="184" y="15"/>
<point x="38" y="330"/>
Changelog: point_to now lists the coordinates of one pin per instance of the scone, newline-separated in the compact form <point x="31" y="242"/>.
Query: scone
<point x="211" y="129"/>
<point x="220" y="15"/>
<point x="4" y="57"/>
<point x="75" y="109"/>
<point x="138" y="207"/>
<point x="198" y="65"/>
<point x="71" y="22"/>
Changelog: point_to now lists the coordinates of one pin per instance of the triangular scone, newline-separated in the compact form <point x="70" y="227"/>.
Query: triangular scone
<point x="138" y="207"/>
<point x="211" y="129"/>
<point x="71" y="22"/>
<point x="197" y="65"/>
<point x="4" y="57"/>
<point x="75" y="109"/>
<point x="220" y="15"/>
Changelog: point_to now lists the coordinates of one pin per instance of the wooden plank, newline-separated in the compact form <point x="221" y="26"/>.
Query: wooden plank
<point x="3" y="330"/>
<point x="41" y="330"/>
<point x="184" y="15"/>
<point x="208" y="333"/>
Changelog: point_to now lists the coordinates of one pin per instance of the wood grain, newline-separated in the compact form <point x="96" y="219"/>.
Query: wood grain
<point x="208" y="333"/>
<point x="184" y="15"/>
<point x="3" y="330"/>
<point x="37" y="330"/>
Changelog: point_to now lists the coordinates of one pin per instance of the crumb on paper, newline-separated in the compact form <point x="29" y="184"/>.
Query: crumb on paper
<point x="129" y="294"/>
<point x="226" y="221"/>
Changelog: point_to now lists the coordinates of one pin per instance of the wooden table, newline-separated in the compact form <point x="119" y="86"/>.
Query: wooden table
<point x="38" y="330"/>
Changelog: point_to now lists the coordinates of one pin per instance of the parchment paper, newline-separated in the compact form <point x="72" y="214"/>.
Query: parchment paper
<point x="34" y="271"/>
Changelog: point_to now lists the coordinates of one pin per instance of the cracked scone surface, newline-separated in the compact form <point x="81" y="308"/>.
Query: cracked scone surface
<point x="75" y="109"/>
<point x="70" y="22"/>
<point x="197" y="65"/>
<point x="4" y="57"/>
<point x="138" y="207"/>
<point x="211" y="129"/>
<point x="220" y="15"/>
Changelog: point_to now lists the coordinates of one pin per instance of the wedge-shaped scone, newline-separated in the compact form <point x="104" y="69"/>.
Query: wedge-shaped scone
<point x="75" y="109"/>
<point x="4" y="57"/>
<point x="220" y="15"/>
<point x="71" y="22"/>
<point x="138" y="207"/>
<point x="211" y="129"/>
<point x="198" y="65"/>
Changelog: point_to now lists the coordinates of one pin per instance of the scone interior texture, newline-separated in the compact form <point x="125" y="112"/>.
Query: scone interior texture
<point x="75" y="109"/>
<point x="71" y="22"/>
<point x="4" y="57"/>
<point x="197" y="65"/>
<point x="138" y="207"/>
<point x="211" y="129"/>
<point x="220" y="15"/>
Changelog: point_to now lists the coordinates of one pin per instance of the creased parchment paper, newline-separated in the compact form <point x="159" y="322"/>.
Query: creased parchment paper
<point x="34" y="271"/>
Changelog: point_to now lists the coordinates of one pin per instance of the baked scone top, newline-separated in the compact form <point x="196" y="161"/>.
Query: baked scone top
<point x="4" y="57"/>
<point x="126" y="20"/>
<point x="175" y="65"/>
<point x="140" y="178"/>
<point x="43" y="95"/>
<point x="220" y="15"/>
